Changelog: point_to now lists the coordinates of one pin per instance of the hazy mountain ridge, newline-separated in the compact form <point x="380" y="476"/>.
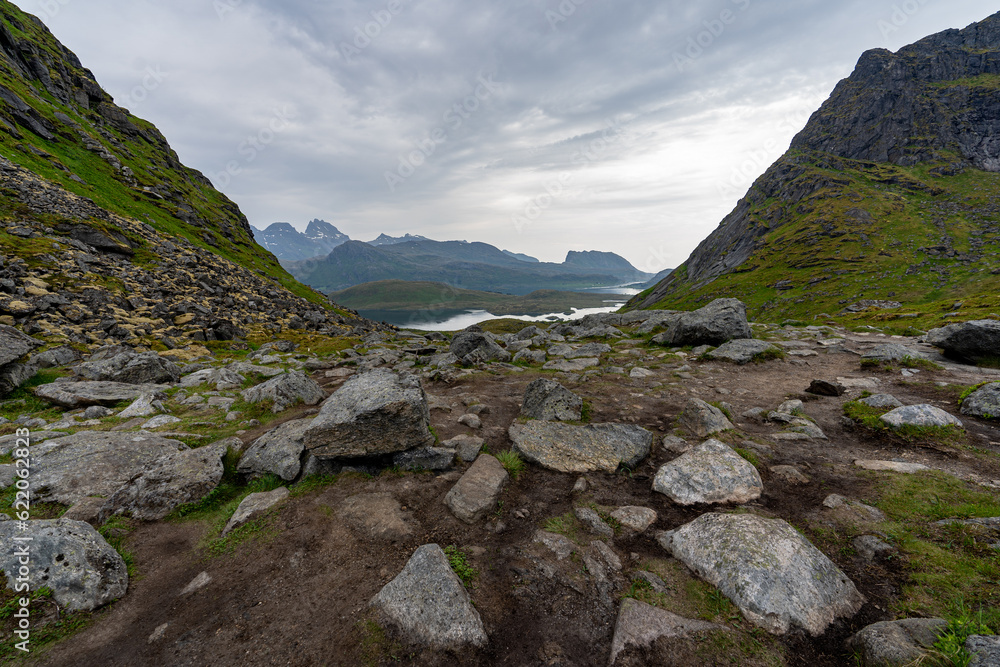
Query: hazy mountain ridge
<point x="890" y="191"/>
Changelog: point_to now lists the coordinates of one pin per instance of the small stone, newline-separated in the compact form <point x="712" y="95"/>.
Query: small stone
<point x="891" y="466"/>
<point x="255" y="505"/>
<point x="789" y="474"/>
<point x="825" y="388"/>
<point x="470" y="420"/>
<point x="871" y="547"/>
<point x="199" y="582"/>
<point x="558" y="544"/>
<point x="593" y="521"/>
<point x="639" y="519"/>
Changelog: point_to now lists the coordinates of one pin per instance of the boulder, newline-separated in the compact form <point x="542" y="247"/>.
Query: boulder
<point x="82" y="394"/>
<point x="742" y="351"/>
<point x="968" y="341"/>
<point x="69" y="469"/>
<point x="429" y="605"/>
<point x="424" y="458"/>
<point x="703" y="419"/>
<point x="254" y="506"/>
<point x="69" y="557"/>
<point x="984" y="402"/>
<point x="14" y="374"/>
<point x="589" y="350"/>
<point x="531" y="356"/>
<point x="882" y="401"/>
<point x="572" y="366"/>
<point x="477" y="492"/>
<point x="131" y="368"/>
<point x="576" y="449"/>
<point x="640" y="625"/>
<point x="221" y="378"/>
<point x="146" y="405"/>
<point x="919" y="415"/>
<point x="548" y="400"/>
<point x="710" y="473"/>
<point x="467" y="446"/>
<point x="277" y="452"/>
<point x="58" y="356"/>
<point x="9" y="442"/>
<point x="888" y="352"/>
<point x="896" y="643"/>
<point x="639" y="519"/>
<point x="14" y="344"/>
<point x="719" y="322"/>
<point x="471" y="347"/>
<point x="285" y="391"/>
<point x="777" y="578"/>
<point x="169" y="482"/>
<point x="374" y="413"/>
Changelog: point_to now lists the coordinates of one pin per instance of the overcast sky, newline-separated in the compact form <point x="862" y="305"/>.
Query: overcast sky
<point x="539" y="126"/>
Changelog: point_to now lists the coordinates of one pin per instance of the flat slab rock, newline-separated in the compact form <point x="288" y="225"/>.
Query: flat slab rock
<point x="742" y="351"/>
<point x="255" y="505"/>
<point x="777" y="578"/>
<point x="897" y="643"/>
<point x="70" y="557"/>
<point x="919" y="415"/>
<point x="575" y="449"/>
<point x="67" y="470"/>
<point x="374" y="413"/>
<point x="169" y="482"/>
<point x="429" y="605"/>
<point x="712" y="472"/>
<point x="477" y="491"/>
<point x="640" y="625"/>
<point x="82" y="394"/>
<point x="891" y="466"/>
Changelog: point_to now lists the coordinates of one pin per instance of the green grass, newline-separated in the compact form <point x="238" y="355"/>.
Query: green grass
<point x="949" y="649"/>
<point x="566" y="525"/>
<point x="770" y="354"/>
<point x="22" y="401"/>
<point x="749" y="456"/>
<point x="115" y="532"/>
<point x="512" y="463"/>
<point x="42" y="633"/>
<point x="869" y="417"/>
<point x="459" y="562"/>
<point x="951" y="569"/>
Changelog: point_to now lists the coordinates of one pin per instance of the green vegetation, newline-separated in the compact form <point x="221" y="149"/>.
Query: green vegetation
<point x="401" y="295"/>
<point x="22" y="401"/>
<point x="459" y="562"/>
<point x="869" y="417"/>
<point x="512" y="463"/>
<point x="749" y="456"/>
<point x="115" y="532"/>
<point x="566" y="525"/>
<point x="952" y="570"/>
<point x="49" y="625"/>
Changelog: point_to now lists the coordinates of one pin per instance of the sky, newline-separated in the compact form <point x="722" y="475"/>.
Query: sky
<point x="539" y="126"/>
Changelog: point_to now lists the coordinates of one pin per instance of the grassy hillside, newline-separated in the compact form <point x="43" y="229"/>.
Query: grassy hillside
<point x="58" y="123"/>
<point x="413" y="296"/>
<point x="876" y="231"/>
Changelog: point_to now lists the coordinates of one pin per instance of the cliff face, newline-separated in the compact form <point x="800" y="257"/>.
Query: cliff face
<point x="904" y="153"/>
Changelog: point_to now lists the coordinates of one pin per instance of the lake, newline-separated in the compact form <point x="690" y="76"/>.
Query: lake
<point x="456" y="320"/>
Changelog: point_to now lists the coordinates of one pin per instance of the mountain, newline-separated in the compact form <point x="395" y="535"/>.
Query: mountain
<point x="384" y="239"/>
<point x="520" y="256"/>
<point x="105" y="236"/>
<point x="891" y="191"/>
<point x="289" y="244"/>
<point x="476" y="266"/>
<point x="604" y="261"/>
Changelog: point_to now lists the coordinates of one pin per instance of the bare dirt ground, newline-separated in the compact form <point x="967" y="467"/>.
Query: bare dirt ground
<point x="298" y="593"/>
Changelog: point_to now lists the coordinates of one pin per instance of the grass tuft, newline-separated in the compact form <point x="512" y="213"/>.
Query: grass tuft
<point x="512" y="463"/>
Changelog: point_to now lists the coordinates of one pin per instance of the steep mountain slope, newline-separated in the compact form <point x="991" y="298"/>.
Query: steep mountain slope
<point x="476" y="266"/>
<point x="890" y="192"/>
<point x="289" y="244"/>
<point x="105" y="236"/>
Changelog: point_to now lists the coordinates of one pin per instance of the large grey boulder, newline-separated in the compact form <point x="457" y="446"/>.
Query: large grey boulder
<point x="277" y="452"/>
<point x="429" y="605"/>
<point x="969" y="341"/>
<point x="14" y="374"/>
<point x="576" y="449"/>
<point x="14" y="344"/>
<point x="777" y="578"/>
<point x="374" y="413"/>
<point x="550" y="401"/>
<point x="984" y="402"/>
<point x="703" y="419"/>
<point x="919" y="415"/>
<point x="69" y="557"/>
<point x="896" y="643"/>
<point x="742" y="351"/>
<point x="477" y="491"/>
<point x="57" y="356"/>
<point x="82" y="394"/>
<point x="285" y="391"/>
<point x="67" y="470"/>
<point x="710" y="473"/>
<point x="472" y="347"/>
<point x="132" y="368"/>
<point x="640" y="625"/>
<point x="166" y="484"/>
<point x="719" y="322"/>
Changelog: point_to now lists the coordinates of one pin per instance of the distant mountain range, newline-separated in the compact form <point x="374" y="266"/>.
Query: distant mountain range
<point x="328" y="260"/>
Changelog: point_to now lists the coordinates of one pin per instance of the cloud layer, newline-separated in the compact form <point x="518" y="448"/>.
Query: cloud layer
<point x="540" y="126"/>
